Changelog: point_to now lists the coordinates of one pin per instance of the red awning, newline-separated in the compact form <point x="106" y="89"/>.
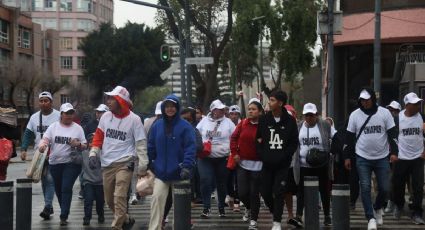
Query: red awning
<point x="398" y="26"/>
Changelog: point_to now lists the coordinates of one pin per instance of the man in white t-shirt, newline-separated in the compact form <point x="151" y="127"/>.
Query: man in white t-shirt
<point x="411" y="158"/>
<point x="37" y="125"/>
<point x="371" y="135"/>
<point x="122" y="138"/>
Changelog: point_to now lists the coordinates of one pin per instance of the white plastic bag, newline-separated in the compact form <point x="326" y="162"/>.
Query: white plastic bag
<point x="35" y="170"/>
<point x="144" y="186"/>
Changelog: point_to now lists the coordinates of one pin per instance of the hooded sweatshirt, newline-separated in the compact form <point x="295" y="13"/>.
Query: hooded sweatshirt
<point x="220" y="139"/>
<point x="279" y="140"/>
<point x="243" y="140"/>
<point x="171" y="144"/>
<point x="117" y="134"/>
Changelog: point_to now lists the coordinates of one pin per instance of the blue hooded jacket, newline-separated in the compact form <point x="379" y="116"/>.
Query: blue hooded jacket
<point x="173" y="148"/>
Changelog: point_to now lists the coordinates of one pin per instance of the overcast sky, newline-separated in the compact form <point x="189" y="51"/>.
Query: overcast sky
<point x="125" y="11"/>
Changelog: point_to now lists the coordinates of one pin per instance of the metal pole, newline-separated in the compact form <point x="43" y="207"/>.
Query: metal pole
<point x="261" y="61"/>
<point x="188" y="67"/>
<point x="6" y="201"/>
<point x="341" y="206"/>
<point x="23" y="203"/>
<point x="182" y="197"/>
<point x="331" y="77"/>
<point x="311" y="199"/>
<point x="377" y="52"/>
<point x="233" y="74"/>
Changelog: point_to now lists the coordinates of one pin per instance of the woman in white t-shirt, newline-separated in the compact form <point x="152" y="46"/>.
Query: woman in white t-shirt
<point x="64" y="137"/>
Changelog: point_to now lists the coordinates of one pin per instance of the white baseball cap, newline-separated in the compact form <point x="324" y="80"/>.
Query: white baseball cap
<point x="120" y="92"/>
<point x="254" y="99"/>
<point x="45" y="94"/>
<point x="234" y="109"/>
<point x="66" y="107"/>
<point x="364" y="94"/>
<point x="158" y="108"/>
<point x="394" y="105"/>
<point x="411" y="98"/>
<point x="217" y="104"/>
<point x="102" y="108"/>
<point x="309" y="108"/>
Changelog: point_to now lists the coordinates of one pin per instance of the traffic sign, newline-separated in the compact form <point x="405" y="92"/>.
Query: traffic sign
<point x="199" y="60"/>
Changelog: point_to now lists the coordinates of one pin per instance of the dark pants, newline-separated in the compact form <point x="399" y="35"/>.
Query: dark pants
<point x="93" y="193"/>
<point x="232" y="185"/>
<point x="196" y="187"/>
<point x="354" y="183"/>
<point x="168" y="203"/>
<point x="324" y="190"/>
<point x="273" y="181"/>
<point x="403" y="169"/>
<point x="64" y="176"/>
<point x="3" y="170"/>
<point x="249" y="190"/>
<point x="213" y="172"/>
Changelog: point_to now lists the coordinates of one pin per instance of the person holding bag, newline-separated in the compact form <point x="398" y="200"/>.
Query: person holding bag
<point x="248" y="164"/>
<point x="215" y="129"/>
<point x="312" y="158"/>
<point x="64" y="137"/>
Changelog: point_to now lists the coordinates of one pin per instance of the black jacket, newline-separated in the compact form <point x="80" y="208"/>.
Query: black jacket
<point x="276" y="151"/>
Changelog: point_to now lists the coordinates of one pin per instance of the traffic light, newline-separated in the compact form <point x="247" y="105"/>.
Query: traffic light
<point x="165" y="53"/>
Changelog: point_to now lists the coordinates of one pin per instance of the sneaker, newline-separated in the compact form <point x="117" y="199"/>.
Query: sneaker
<point x="81" y="195"/>
<point x="246" y="215"/>
<point x="327" y="221"/>
<point x="299" y="219"/>
<point x="418" y="220"/>
<point x="133" y="200"/>
<point x="236" y="208"/>
<point x="229" y="201"/>
<point x="397" y="213"/>
<point x="86" y="222"/>
<point x="101" y="219"/>
<point x="294" y="222"/>
<point x="378" y="216"/>
<point x="276" y="226"/>
<point x="252" y="225"/>
<point x="221" y="213"/>
<point x="372" y="224"/>
<point x="45" y="214"/>
<point x="129" y="223"/>
<point x="206" y="213"/>
<point x="63" y="222"/>
<point x="390" y="207"/>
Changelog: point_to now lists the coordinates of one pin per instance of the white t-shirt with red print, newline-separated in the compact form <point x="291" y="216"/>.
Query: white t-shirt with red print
<point x="119" y="136"/>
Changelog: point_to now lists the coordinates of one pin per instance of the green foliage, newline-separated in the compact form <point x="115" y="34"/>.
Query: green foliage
<point x="127" y="56"/>
<point x="145" y="101"/>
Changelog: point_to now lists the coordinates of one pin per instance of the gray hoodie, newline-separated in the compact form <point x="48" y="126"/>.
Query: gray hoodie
<point x="91" y="176"/>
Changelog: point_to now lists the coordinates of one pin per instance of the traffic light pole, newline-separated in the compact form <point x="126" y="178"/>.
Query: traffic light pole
<point x="181" y="45"/>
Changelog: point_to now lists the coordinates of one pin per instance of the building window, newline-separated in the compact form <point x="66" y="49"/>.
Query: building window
<point x="4" y="57"/>
<point x="4" y="31"/>
<point x="84" y="6"/>
<point x="66" y="24"/>
<point x="50" y="5"/>
<point x="85" y="25"/>
<point x="65" y="99"/>
<point x="80" y="41"/>
<point x="66" y="62"/>
<point x="81" y="63"/>
<point x="50" y="23"/>
<point x="24" y="38"/>
<point x="66" y="5"/>
<point x="37" y="5"/>
<point x="65" y="43"/>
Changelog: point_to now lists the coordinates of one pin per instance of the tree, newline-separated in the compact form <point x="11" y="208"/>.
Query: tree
<point x="211" y="24"/>
<point x="145" y="101"/>
<point x="127" y="56"/>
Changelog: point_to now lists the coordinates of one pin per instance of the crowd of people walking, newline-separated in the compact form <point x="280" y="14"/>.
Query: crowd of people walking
<point x="241" y="161"/>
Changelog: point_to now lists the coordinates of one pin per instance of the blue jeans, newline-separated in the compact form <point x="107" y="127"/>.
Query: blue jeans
<point x="64" y="176"/>
<point x="381" y="168"/>
<point x="213" y="171"/>
<point x="93" y="193"/>
<point x="48" y="186"/>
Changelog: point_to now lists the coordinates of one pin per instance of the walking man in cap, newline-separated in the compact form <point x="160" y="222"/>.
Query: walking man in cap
<point x="371" y="134"/>
<point x="37" y="125"/>
<point x="411" y="158"/>
<point x="121" y="137"/>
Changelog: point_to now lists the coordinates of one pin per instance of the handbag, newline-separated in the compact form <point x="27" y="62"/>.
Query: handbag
<point x="6" y="149"/>
<point x="231" y="164"/>
<point x="208" y="144"/>
<point x="35" y="170"/>
<point x="76" y="156"/>
<point x="144" y="186"/>
<point x="316" y="158"/>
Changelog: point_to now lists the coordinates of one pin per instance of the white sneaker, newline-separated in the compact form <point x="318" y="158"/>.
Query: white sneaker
<point x="133" y="200"/>
<point x="252" y="225"/>
<point x="276" y="226"/>
<point x="378" y="216"/>
<point x="372" y="224"/>
<point x="390" y="207"/>
<point x="246" y="215"/>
